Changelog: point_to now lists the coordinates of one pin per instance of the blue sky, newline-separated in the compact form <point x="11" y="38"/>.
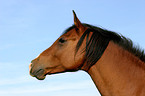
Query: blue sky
<point x="27" y="27"/>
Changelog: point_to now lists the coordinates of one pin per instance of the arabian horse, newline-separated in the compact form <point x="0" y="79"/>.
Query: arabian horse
<point x="116" y="66"/>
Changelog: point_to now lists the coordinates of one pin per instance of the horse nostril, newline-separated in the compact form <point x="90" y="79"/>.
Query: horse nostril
<point x="35" y="60"/>
<point x="32" y="61"/>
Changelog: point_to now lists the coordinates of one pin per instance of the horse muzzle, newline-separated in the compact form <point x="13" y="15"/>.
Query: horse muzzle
<point x="38" y="73"/>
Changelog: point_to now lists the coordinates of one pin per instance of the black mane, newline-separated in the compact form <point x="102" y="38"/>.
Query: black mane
<point x="99" y="42"/>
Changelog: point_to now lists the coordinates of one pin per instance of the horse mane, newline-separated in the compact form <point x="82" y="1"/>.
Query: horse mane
<point x="96" y="45"/>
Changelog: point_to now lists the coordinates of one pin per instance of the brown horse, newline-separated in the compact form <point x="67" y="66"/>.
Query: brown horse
<point x="116" y="66"/>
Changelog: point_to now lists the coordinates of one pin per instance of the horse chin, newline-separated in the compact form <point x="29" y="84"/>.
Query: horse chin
<point x="40" y="77"/>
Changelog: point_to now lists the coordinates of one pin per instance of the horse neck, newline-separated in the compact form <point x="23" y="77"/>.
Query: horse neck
<point x="118" y="73"/>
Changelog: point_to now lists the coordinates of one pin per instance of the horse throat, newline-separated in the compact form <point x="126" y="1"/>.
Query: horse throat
<point x="118" y="73"/>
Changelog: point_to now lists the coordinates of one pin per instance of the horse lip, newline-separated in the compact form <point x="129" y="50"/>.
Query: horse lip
<point x="39" y="74"/>
<point x="39" y="71"/>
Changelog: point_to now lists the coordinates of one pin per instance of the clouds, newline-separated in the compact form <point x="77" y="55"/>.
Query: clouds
<point x="47" y="88"/>
<point x="16" y="81"/>
<point x="53" y="86"/>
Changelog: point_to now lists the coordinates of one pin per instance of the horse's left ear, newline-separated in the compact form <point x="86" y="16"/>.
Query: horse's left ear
<point x="77" y="23"/>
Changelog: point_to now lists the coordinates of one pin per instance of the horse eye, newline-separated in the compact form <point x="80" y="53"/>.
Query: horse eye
<point x="61" y="40"/>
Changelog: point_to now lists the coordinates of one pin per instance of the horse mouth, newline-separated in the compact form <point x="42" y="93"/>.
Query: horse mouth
<point x="39" y="74"/>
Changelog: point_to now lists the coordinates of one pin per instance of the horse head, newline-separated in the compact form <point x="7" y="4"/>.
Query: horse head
<point x="61" y="56"/>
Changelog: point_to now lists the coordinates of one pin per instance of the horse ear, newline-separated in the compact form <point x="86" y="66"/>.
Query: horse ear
<point x="77" y="23"/>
